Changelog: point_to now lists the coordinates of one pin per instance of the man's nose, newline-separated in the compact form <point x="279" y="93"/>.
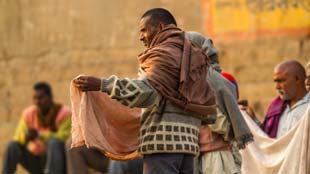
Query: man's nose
<point x="36" y="102"/>
<point x="141" y="37"/>
<point x="277" y="86"/>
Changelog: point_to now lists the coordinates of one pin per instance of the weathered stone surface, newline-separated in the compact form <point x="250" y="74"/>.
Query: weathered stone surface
<point x="55" y="40"/>
<point x="252" y="62"/>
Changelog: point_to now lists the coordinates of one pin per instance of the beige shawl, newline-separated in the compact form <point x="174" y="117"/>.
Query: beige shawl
<point x="105" y="124"/>
<point x="289" y="154"/>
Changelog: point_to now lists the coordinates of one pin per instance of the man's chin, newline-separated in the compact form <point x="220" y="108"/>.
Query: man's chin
<point x="285" y="98"/>
<point x="145" y="44"/>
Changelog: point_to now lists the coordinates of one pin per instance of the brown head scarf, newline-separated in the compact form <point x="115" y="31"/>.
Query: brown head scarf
<point x="177" y="69"/>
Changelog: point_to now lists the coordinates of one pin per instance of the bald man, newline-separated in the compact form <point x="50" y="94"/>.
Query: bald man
<point x="293" y="100"/>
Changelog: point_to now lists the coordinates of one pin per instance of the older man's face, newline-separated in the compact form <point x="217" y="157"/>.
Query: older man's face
<point x="307" y="81"/>
<point x="285" y="83"/>
<point x="147" y="31"/>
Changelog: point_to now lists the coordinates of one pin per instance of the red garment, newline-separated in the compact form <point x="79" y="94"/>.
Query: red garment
<point x="272" y="119"/>
<point x="232" y="79"/>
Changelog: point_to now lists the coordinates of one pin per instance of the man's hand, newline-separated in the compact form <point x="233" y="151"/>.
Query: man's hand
<point x="36" y="147"/>
<point x="31" y="135"/>
<point x="87" y="83"/>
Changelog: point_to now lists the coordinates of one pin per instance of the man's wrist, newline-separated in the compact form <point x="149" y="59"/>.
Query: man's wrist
<point x="107" y="84"/>
<point x="103" y="85"/>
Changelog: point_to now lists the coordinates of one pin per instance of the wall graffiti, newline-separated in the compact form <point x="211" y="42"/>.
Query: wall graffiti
<point x="270" y="5"/>
<point x="256" y="18"/>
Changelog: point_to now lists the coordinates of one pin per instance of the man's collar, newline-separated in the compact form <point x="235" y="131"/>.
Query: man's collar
<point x="305" y="99"/>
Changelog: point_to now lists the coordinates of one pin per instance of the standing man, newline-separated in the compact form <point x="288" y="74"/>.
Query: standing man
<point x="38" y="143"/>
<point x="287" y="109"/>
<point x="175" y="95"/>
<point x="216" y="140"/>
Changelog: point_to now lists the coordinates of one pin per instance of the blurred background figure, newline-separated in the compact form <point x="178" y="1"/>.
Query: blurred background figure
<point x="243" y="104"/>
<point x="38" y="143"/>
<point x="292" y="102"/>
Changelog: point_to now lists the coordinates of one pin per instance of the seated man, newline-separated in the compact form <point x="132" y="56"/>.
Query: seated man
<point x="38" y="143"/>
<point x="293" y="100"/>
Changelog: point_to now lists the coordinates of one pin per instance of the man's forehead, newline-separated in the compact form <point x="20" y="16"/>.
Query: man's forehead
<point x="282" y="69"/>
<point x="144" y="21"/>
<point x="282" y="74"/>
<point x="279" y="72"/>
<point x="39" y="93"/>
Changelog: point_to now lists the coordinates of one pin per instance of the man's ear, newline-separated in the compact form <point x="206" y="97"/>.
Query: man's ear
<point x="298" y="80"/>
<point x="161" y="26"/>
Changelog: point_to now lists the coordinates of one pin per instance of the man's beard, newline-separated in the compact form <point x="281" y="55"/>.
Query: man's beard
<point x="283" y="94"/>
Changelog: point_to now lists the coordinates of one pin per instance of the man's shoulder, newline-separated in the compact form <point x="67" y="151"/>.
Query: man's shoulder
<point x="303" y="104"/>
<point x="306" y="98"/>
<point x="29" y="114"/>
<point x="28" y="111"/>
<point x="219" y="81"/>
<point x="65" y="110"/>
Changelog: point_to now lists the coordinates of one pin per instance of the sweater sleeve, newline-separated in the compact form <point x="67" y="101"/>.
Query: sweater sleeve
<point x="132" y="93"/>
<point x="21" y="131"/>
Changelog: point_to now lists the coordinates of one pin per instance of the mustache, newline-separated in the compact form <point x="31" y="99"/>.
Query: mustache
<point x="281" y="92"/>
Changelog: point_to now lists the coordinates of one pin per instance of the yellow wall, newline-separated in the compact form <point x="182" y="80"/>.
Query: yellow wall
<point x="251" y="18"/>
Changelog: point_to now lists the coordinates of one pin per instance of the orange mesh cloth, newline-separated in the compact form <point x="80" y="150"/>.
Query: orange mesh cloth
<point x="105" y="124"/>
